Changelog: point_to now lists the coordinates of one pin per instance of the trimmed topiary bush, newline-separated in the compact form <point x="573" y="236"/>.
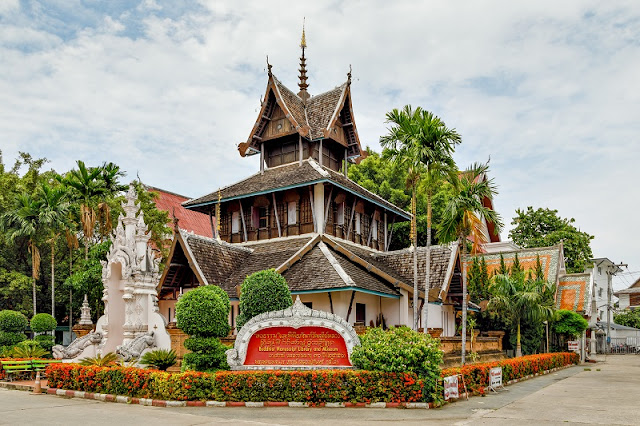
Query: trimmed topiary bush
<point x="263" y="291"/>
<point x="204" y="312"/>
<point x="12" y="326"/>
<point x="399" y="350"/>
<point x="13" y="321"/>
<point x="41" y="323"/>
<point x="46" y="341"/>
<point x="569" y="323"/>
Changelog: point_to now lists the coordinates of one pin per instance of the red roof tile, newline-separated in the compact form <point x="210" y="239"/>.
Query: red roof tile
<point x="188" y="220"/>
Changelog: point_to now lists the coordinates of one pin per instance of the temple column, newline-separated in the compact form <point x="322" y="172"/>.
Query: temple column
<point x="318" y="206"/>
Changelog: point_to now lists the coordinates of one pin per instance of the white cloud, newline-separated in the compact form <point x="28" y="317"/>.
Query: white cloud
<point x="548" y="89"/>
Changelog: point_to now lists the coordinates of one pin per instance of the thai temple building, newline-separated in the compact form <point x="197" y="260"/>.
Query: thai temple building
<point x="301" y="215"/>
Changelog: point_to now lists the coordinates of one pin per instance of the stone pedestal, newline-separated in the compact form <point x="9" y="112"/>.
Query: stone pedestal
<point x="177" y="337"/>
<point x="82" y="330"/>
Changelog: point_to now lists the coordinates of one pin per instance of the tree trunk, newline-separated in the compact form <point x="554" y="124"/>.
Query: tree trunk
<point x="53" y="281"/>
<point x="414" y="242"/>
<point x="427" y="267"/>
<point x="33" y="280"/>
<point x="464" y="301"/>
<point x="70" y="292"/>
<point x="518" y="346"/>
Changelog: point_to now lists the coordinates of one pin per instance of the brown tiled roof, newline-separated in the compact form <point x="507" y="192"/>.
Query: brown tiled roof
<point x="401" y="261"/>
<point x="292" y="102"/>
<point x="315" y="272"/>
<point x="216" y="260"/>
<point x="321" y="109"/>
<point x="289" y="175"/>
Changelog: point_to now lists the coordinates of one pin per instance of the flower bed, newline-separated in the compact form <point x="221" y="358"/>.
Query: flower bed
<point x="314" y="387"/>
<point x="476" y="376"/>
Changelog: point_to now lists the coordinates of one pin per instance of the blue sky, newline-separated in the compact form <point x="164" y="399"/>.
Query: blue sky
<point x="166" y="89"/>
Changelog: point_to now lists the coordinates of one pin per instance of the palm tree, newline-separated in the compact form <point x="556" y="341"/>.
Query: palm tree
<point x="521" y="299"/>
<point x="462" y="218"/>
<point x="110" y="174"/>
<point x="54" y="211"/>
<point x="421" y="140"/>
<point x="25" y="221"/>
<point x="87" y="185"/>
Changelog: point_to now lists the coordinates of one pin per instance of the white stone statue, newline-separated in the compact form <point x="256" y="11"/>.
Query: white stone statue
<point x="77" y="347"/>
<point x="135" y="348"/>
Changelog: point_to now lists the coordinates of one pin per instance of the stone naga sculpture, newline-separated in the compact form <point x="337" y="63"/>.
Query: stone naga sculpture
<point x="133" y="350"/>
<point x="76" y="347"/>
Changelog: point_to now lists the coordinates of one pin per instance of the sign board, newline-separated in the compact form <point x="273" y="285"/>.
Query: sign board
<point x="304" y="346"/>
<point x="294" y="338"/>
<point x="495" y="377"/>
<point x="451" y="387"/>
<point x="574" y="345"/>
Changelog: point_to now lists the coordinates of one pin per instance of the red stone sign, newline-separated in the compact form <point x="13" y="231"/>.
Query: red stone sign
<point x="303" y="346"/>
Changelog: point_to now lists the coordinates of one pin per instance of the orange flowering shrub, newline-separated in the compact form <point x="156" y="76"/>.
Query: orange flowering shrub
<point x="315" y="386"/>
<point x="476" y="376"/>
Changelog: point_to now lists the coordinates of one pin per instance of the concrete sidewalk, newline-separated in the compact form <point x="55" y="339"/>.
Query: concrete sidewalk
<point x="572" y="395"/>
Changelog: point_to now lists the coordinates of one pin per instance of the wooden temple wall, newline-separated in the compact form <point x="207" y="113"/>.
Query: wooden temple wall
<point x="359" y="221"/>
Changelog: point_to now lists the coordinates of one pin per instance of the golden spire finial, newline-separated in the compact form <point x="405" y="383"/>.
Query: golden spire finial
<point x="304" y="95"/>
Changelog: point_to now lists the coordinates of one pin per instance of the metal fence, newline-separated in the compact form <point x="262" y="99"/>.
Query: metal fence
<point x="619" y="345"/>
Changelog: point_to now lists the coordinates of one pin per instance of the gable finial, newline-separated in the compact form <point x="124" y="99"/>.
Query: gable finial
<point x="349" y="75"/>
<point x="269" y="66"/>
<point x="303" y="68"/>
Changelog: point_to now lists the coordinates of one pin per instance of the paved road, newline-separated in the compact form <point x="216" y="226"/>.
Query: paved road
<point x="573" y="395"/>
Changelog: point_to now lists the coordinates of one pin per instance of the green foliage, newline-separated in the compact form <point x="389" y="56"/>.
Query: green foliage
<point x="15" y="291"/>
<point x="160" y="359"/>
<point x="478" y="280"/>
<point x="568" y="323"/>
<point x="9" y="339"/>
<point x="109" y="359"/>
<point x="524" y="304"/>
<point x="211" y="357"/>
<point x="28" y="349"/>
<point x="399" y="349"/>
<point x="630" y="318"/>
<point x="41" y="323"/>
<point x="263" y="291"/>
<point x="13" y="322"/>
<point x="46" y="341"/>
<point x="543" y="227"/>
<point x="386" y="178"/>
<point x="87" y="278"/>
<point x="204" y="312"/>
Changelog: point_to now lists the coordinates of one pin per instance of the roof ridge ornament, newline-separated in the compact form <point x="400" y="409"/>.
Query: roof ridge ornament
<point x="349" y="76"/>
<point x="304" y="95"/>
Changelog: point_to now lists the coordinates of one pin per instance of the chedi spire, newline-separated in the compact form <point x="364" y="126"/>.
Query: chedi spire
<point x="303" y="70"/>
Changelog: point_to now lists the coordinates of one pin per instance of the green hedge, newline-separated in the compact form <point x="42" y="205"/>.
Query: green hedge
<point x="204" y="311"/>
<point x="13" y="321"/>
<point x="307" y="386"/>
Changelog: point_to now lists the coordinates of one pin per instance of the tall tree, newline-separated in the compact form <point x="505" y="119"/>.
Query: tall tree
<point x="54" y="210"/>
<point x="25" y="221"/>
<point x="463" y="219"/>
<point x="520" y="299"/>
<point x="544" y="227"/>
<point x="404" y="148"/>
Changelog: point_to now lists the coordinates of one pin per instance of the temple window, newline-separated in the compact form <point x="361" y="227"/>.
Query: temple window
<point x="235" y="222"/>
<point x="361" y="310"/>
<point x="291" y="213"/>
<point x="263" y="217"/>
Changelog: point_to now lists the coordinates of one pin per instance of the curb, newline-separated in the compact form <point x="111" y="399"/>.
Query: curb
<point x="121" y="399"/>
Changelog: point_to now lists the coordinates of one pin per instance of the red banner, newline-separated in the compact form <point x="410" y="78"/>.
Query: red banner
<point x="304" y="346"/>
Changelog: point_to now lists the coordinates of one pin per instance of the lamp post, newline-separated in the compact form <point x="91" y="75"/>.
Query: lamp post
<point x="546" y="326"/>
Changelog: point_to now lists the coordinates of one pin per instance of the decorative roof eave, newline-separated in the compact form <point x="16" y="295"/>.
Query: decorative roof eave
<point x="178" y="238"/>
<point x="455" y="255"/>
<point x="346" y="95"/>
<point x="301" y="128"/>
